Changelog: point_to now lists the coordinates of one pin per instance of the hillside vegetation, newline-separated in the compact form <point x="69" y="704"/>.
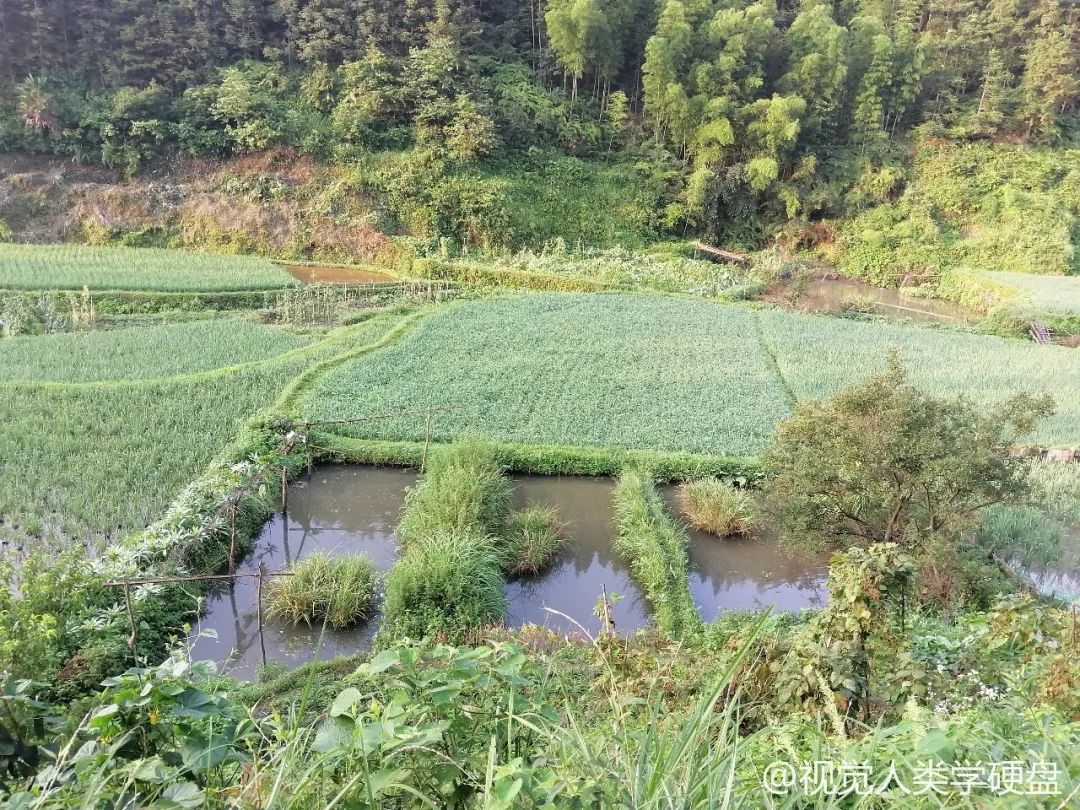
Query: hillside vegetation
<point x="597" y="121"/>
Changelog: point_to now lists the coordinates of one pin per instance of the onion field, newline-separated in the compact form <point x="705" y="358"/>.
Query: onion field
<point x="1052" y="293"/>
<point x="98" y="460"/>
<point x="72" y="267"/>
<point x="143" y="352"/>
<point x="661" y="373"/>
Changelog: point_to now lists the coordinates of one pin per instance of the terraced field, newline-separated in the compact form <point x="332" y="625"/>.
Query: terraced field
<point x="661" y="373"/>
<point x="141" y="353"/>
<point x="102" y="454"/>
<point x="71" y="267"/>
<point x="1052" y="293"/>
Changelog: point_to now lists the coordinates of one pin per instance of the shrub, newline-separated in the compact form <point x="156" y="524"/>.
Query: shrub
<point x="337" y="590"/>
<point x="717" y="507"/>
<point x="444" y="586"/>
<point x="535" y="537"/>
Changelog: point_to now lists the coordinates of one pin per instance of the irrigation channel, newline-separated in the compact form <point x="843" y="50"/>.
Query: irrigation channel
<point x="831" y="295"/>
<point x="355" y="510"/>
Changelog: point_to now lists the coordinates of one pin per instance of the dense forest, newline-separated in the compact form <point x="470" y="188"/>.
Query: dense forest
<point x="747" y="114"/>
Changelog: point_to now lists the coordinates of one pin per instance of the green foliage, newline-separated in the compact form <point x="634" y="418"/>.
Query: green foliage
<point x="463" y="490"/>
<point x="535" y="538"/>
<point x="978" y="206"/>
<point x="147" y="352"/>
<point x="829" y="656"/>
<point x="584" y="203"/>
<point x="446" y="586"/>
<point x="715" y="506"/>
<point x="336" y="590"/>
<point x="51" y="267"/>
<point x="154" y="735"/>
<point x="655" y="548"/>
<point x="884" y="462"/>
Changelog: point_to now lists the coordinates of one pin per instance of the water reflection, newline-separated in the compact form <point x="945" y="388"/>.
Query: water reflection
<point x="587" y="566"/>
<point x="750" y="573"/>
<point x="339" y="510"/>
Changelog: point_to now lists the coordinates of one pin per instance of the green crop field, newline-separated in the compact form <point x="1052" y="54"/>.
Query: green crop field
<point x="72" y="267"/>
<point x="629" y="370"/>
<point x="1053" y="293"/>
<point x="818" y="355"/>
<point x="660" y="373"/>
<point x="99" y="460"/>
<point x="143" y="352"/>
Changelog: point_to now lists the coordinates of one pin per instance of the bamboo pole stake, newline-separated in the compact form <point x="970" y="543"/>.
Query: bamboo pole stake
<point x="232" y="541"/>
<point x="262" y="639"/>
<point x="284" y="489"/>
<point x="133" y="639"/>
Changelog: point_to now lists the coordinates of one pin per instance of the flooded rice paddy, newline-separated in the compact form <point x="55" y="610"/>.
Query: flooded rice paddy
<point x="319" y="274"/>
<point x="356" y="509"/>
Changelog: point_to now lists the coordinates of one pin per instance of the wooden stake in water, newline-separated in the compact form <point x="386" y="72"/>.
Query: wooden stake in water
<point x="232" y="541"/>
<point x="284" y="490"/>
<point x="262" y="640"/>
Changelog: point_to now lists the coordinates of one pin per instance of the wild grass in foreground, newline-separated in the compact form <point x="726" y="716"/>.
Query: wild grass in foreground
<point x="72" y="267"/>
<point x="337" y="590"/>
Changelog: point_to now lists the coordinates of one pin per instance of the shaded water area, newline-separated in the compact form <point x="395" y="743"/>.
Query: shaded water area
<point x="588" y="564"/>
<point x="314" y="274"/>
<point x="749" y="573"/>
<point x="337" y="510"/>
<point x="846" y="295"/>
<point x="1061" y="578"/>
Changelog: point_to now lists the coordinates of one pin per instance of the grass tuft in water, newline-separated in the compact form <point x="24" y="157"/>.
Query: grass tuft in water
<point x="535" y="538"/>
<point x="445" y="586"/>
<point x="337" y="590"/>
<point x="717" y="507"/>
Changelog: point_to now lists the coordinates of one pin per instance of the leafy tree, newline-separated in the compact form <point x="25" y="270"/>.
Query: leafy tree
<point x="883" y="462"/>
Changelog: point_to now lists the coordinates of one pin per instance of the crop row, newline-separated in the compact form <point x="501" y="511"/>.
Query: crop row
<point x="142" y="352"/>
<point x="658" y="373"/>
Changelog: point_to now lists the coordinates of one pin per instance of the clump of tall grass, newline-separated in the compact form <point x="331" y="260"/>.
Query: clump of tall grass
<point x="445" y="585"/>
<point x="463" y="490"/>
<point x="337" y="590"/>
<point x="717" y="507"/>
<point x="655" y="549"/>
<point x="535" y="538"/>
<point x="1031" y="532"/>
